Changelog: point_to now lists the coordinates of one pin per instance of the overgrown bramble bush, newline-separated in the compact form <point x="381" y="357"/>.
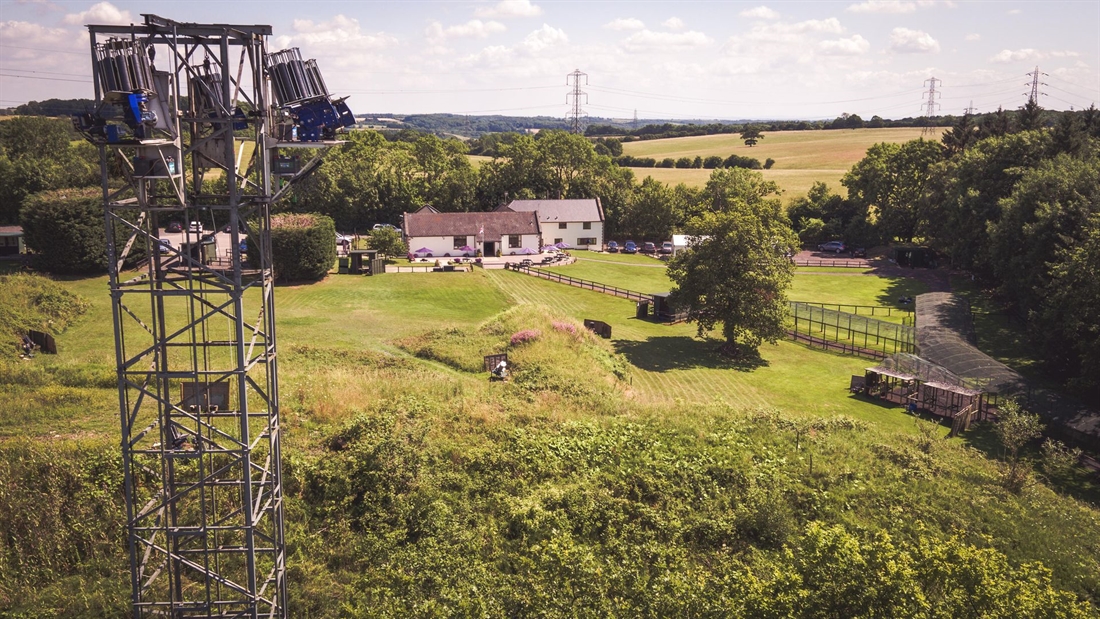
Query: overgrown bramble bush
<point x="527" y="335"/>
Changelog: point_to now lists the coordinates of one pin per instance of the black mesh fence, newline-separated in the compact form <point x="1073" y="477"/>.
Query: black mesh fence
<point x="859" y="334"/>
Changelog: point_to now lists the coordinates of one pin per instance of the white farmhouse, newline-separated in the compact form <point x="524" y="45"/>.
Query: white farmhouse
<point x="576" y="222"/>
<point x="435" y="234"/>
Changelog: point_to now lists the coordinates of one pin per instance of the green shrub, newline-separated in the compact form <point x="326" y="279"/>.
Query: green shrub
<point x="65" y="230"/>
<point x="303" y="246"/>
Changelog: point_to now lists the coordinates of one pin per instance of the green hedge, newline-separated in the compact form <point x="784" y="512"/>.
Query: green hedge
<point x="64" y="229"/>
<point x="303" y="246"/>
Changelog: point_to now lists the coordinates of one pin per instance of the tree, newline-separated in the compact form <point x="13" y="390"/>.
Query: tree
<point x="1030" y="116"/>
<point x="962" y="135"/>
<point x="962" y="195"/>
<point x="388" y="241"/>
<point x="889" y="183"/>
<point x="38" y="154"/>
<point x="738" y="274"/>
<point x="996" y="124"/>
<point x="1047" y="211"/>
<point x="653" y="212"/>
<point x="1016" y="428"/>
<point x="565" y="156"/>
<point x="1068" y="321"/>
<point x="751" y="135"/>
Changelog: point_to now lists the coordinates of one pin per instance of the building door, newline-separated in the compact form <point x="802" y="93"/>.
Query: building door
<point x="490" y="248"/>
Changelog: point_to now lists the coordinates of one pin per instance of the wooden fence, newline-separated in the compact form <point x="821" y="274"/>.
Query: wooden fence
<point x="582" y="283"/>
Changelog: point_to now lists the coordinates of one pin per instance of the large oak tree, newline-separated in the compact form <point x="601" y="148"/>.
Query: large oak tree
<point x="737" y="271"/>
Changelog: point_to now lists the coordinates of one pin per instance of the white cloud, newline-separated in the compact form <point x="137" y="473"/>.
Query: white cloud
<point x="341" y="34"/>
<point x="760" y="12"/>
<point x="510" y="8"/>
<point x="101" y="13"/>
<point x="882" y="6"/>
<point x="544" y="37"/>
<point x="973" y="36"/>
<point x="1006" y="56"/>
<point x="852" y="46"/>
<point x="673" y="23"/>
<point x="906" y="41"/>
<point x="628" y="23"/>
<point x="475" y="28"/>
<point x="650" y="41"/>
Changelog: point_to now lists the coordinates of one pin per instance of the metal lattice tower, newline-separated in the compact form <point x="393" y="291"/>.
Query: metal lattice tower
<point x="1033" y="98"/>
<point x="576" y="114"/>
<point x="195" y="324"/>
<point x="931" y="105"/>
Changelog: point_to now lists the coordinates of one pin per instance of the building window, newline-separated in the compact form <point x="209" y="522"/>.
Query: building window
<point x="556" y="241"/>
<point x="460" y="242"/>
<point x="586" y="241"/>
<point x="562" y="226"/>
<point x="587" y="225"/>
<point x="513" y="241"/>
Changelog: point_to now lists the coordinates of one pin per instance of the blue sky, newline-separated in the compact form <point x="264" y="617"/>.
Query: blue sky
<point x="664" y="59"/>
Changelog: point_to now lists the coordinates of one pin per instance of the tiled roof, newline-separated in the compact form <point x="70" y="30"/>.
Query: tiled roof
<point x="588" y="209"/>
<point x="10" y="230"/>
<point x="496" y="225"/>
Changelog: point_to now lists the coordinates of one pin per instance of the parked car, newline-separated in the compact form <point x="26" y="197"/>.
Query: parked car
<point x="165" y="246"/>
<point x="196" y="226"/>
<point x="666" y="247"/>
<point x="174" y="226"/>
<point x="859" y="252"/>
<point x="649" y="248"/>
<point x="630" y="248"/>
<point x="612" y="247"/>
<point x="833" y="246"/>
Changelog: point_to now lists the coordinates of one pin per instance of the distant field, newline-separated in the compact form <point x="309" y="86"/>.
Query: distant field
<point x="793" y="183"/>
<point x="801" y="157"/>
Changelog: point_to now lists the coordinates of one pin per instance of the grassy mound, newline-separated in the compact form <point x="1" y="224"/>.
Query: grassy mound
<point x="546" y="353"/>
<point x="35" y="302"/>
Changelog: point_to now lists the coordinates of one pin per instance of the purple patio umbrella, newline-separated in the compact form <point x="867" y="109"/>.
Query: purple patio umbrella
<point x="563" y="245"/>
<point x="466" y="248"/>
<point x="527" y="251"/>
<point x="549" y="248"/>
<point x="423" y="250"/>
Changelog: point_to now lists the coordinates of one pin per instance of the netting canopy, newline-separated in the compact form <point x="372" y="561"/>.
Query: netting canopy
<point x="945" y="337"/>
<point x="904" y="365"/>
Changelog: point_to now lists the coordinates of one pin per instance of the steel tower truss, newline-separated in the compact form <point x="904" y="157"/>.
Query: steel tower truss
<point x="195" y="324"/>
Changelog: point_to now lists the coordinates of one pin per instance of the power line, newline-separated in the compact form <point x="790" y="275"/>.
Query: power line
<point x="39" y="49"/>
<point x="48" y="79"/>
<point x="42" y="72"/>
